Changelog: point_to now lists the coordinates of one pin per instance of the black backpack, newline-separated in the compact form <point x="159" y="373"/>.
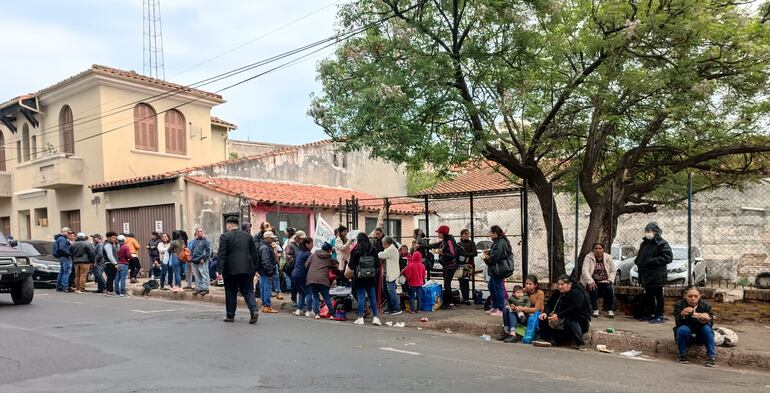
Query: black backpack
<point x="366" y="267"/>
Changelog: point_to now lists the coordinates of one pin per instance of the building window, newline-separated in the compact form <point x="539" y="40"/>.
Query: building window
<point x="2" y="152"/>
<point x="66" y="131"/>
<point x="5" y="224"/>
<point x="176" y="137"/>
<point x="41" y="217"/>
<point x="71" y="219"/>
<point x="280" y="221"/>
<point x="145" y="128"/>
<point x="18" y="152"/>
<point x="33" y="146"/>
<point x="391" y="228"/>
<point x="25" y="142"/>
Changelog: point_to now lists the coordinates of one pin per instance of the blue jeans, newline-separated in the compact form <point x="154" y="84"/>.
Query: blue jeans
<point x="511" y="320"/>
<point x="414" y="294"/>
<point x="99" y="278"/>
<point x="363" y="293"/>
<point x="176" y="268"/>
<point x="497" y="291"/>
<point x="703" y="335"/>
<point x="62" y="281"/>
<point x="318" y="290"/>
<point x="265" y="289"/>
<point x="120" y="279"/>
<point x="276" y="280"/>
<point x="605" y="292"/>
<point x="165" y="270"/>
<point x="304" y="299"/>
<point x="393" y="299"/>
<point x="201" y="272"/>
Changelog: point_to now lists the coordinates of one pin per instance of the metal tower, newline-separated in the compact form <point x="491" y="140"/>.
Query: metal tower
<point x="152" y="40"/>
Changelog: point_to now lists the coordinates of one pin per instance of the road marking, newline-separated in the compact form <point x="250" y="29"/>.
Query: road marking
<point x="151" y="312"/>
<point x="399" y="351"/>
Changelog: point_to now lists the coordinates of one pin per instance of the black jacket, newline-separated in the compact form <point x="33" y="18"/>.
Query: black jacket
<point x="82" y="252"/>
<point x="267" y="262"/>
<point x="692" y="323"/>
<point x="448" y="258"/>
<point x="153" y="250"/>
<point x="498" y="253"/>
<point x="470" y="250"/>
<point x="652" y="261"/>
<point x="355" y="258"/>
<point x="237" y="253"/>
<point x="573" y="305"/>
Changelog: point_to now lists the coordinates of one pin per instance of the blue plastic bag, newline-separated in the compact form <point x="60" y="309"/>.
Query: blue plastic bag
<point x="532" y="322"/>
<point x="430" y="297"/>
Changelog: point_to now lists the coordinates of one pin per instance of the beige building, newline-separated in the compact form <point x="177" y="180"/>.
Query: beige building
<point x="100" y="125"/>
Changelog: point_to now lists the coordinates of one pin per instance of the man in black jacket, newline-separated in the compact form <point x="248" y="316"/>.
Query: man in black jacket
<point x="82" y="259"/>
<point x="267" y="268"/>
<point x="568" y="313"/>
<point x="238" y="264"/>
<point x="694" y="325"/>
<point x="468" y="264"/>
<point x="652" y="261"/>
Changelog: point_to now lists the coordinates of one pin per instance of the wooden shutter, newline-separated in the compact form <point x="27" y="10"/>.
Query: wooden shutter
<point x="176" y="135"/>
<point x="66" y="131"/>
<point x="145" y="128"/>
<point x="2" y="152"/>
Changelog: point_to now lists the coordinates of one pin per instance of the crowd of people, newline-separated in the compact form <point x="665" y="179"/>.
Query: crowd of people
<point x="376" y="268"/>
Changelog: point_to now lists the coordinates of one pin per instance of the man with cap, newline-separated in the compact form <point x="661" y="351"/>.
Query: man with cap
<point x="61" y="250"/>
<point x="267" y="269"/>
<point x="237" y="264"/>
<point x="447" y="256"/>
<point x="100" y="261"/>
<point x="291" y="250"/>
<point x="82" y="259"/>
<point x="652" y="260"/>
<point x="124" y="258"/>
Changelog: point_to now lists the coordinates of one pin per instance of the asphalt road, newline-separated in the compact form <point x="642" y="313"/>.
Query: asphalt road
<point x="90" y="343"/>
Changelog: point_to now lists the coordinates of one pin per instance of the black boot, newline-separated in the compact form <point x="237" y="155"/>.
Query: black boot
<point x="254" y="318"/>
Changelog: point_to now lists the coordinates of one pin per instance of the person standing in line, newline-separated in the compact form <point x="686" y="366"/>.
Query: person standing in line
<point x="392" y="269"/>
<point x="652" y="261"/>
<point x="415" y="274"/>
<point x="299" y="279"/>
<point x="496" y="258"/>
<point x="165" y="268"/>
<point x="467" y="263"/>
<point x="365" y="264"/>
<point x="597" y="276"/>
<point x="111" y="266"/>
<point x="82" y="259"/>
<point x="154" y="254"/>
<point x="100" y="260"/>
<point x="448" y="258"/>
<point x="124" y="258"/>
<point x="134" y="266"/>
<point x="260" y="236"/>
<point x="201" y="254"/>
<point x="178" y="243"/>
<point x="318" y="266"/>
<point x="61" y="249"/>
<point x="342" y="248"/>
<point x="237" y="265"/>
<point x="267" y="269"/>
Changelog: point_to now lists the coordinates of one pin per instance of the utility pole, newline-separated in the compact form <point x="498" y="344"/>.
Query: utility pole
<point x="152" y="41"/>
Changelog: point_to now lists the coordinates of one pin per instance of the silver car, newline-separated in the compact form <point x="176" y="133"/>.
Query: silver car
<point x="677" y="269"/>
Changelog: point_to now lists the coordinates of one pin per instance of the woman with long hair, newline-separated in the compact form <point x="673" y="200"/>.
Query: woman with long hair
<point x="365" y="264"/>
<point x="496" y="257"/>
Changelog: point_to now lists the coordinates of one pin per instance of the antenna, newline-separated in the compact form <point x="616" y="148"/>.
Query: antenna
<point x="152" y="40"/>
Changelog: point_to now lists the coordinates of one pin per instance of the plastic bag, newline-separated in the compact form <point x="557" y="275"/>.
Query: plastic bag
<point x="529" y="334"/>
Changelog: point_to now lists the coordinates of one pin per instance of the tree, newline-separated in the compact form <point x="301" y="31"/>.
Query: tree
<point x="627" y="96"/>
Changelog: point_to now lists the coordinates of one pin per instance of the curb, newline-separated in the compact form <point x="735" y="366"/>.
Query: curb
<point x="620" y="341"/>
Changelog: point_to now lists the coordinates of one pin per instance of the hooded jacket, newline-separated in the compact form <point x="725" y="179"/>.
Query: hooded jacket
<point x="415" y="271"/>
<point x="299" y="274"/>
<point x="652" y="260"/>
<point x="63" y="247"/>
<point x="318" y="268"/>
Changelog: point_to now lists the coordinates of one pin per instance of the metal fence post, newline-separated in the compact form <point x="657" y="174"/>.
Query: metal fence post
<point x="577" y="221"/>
<point x="551" y="249"/>
<point x="427" y="218"/>
<point x="525" y="231"/>
<point x="386" y="224"/>
<point x="689" y="229"/>
<point x="473" y="239"/>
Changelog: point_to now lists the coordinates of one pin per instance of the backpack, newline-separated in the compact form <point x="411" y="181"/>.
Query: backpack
<point x="55" y="248"/>
<point x="366" y="267"/>
<point x="185" y="255"/>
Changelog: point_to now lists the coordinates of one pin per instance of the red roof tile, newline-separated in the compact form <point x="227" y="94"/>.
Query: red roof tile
<point x="293" y="194"/>
<point x="479" y="177"/>
<point x="219" y="122"/>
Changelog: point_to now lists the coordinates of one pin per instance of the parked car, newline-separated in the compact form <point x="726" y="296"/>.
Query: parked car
<point x="46" y="266"/>
<point x="15" y="273"/>
<point x="624" y="256"/>
<point x="677" y="269"/>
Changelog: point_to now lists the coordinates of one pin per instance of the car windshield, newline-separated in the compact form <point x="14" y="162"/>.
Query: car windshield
<point x="679" y="252"/>
<point x="28" y="249"/>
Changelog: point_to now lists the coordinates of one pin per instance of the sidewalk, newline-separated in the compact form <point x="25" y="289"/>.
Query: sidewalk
<point x="655" y="341"/>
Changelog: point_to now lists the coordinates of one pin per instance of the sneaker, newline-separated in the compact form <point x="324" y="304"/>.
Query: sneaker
<point x="317" y="316"/>
<point x="279" y="297"/>
<point x="122" y="295"/>
<point x="228" y="319"/>
<point x="376" y="321"/>
<point x="269" y="310"/>
<point x="254" y="318"/>
<point x="399" y="312"/>
<point x="541" y="343"/>
<point x="646" y="319"/>
<point x="165" y="289"/>
<point x="682" y="359"/>
<point x="298" y="313"/>
<point x="196" y="292"/>
<point x="203" y="292"/>
<point x="610" y="314"/>
<point x="596" y="314"/>
<point x="309" y="314"/>
<point x="581" y="347"/>
<point x="658" y="320"/>
<point x="496" y="313"/>
<point x="512" y="339"/>
<point x="108" y="294"/>
<point x="359" y="321"/>
<point x="711" y="362"/>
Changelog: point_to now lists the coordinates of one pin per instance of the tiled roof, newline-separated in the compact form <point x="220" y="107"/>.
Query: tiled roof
<point x="219" y="122"/>
<point x="293" y="194"/>
<point x="174" y="174"/>
<point x="478" y="177"/>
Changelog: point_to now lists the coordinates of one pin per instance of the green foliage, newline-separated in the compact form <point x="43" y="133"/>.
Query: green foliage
<point x="233" y="155"/>
<point x="419" y="180"/>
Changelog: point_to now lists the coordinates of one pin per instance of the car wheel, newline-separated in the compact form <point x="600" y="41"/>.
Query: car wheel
<point x="23" y="291"/>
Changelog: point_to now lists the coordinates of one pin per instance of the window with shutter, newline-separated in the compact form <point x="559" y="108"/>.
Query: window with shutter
<point x="145" y="128"/>
<point x="25" y="142"/>
<point x="2" y="153"/>
<point x="66" y="131"/>
<point x="176" y="135"/>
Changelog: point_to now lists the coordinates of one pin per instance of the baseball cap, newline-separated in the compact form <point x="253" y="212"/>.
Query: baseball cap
<point x="300" y="234"/>
<point x="444" y="230"/>
<point x="66" y="230"/>
<point x="269" y="234"/>
<point x="121" y="238"/>
<point x="81" y="235"/>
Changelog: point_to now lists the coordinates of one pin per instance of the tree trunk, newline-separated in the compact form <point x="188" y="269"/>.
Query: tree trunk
<point x="602" y="228"/>
<point x="554" y="229"/>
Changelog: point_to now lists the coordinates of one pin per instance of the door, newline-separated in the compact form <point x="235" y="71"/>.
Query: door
<point x="142" y="221"/>
<point x="71" y="219"/>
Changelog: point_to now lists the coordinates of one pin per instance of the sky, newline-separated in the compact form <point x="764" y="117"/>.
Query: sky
<point x="56" y="39"/>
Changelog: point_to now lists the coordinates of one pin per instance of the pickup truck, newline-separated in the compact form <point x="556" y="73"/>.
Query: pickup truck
<point x="15" y="273"/>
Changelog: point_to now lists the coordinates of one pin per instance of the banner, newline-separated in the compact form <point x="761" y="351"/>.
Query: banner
<point x="324" y="233"/>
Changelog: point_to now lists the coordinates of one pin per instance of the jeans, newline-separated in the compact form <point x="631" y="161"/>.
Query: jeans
<point x="702" y="335"/>
<point x="287" y="277"/>
<point x="111" y="271"/>
<point x="62" y="281"/>
<point x="120" y="279"/>
<point x="243" y="283"/>
<point x="511" y="320"/>
<point x="448" y="276"/>
<point x="572" y="329"/>
<point x="81" y="275"/>
<point x="497" y="291"/>
<point x="134" y="267"/>
<point x="653" y="298"/>
<point x="176" y="268"/>
<point x="606" y="293"/>
<point x="302" y="293"/>
<point x="276" y="280"/>
<point x="201" y="272"/>
<point x="363" y="293"/>
<point x="99" y="278"/>
<point x="318" y="290"/>
<point x="414" y="294"/>
<point x="265" y="289"/>
<point x="166" y="271"/>
<point x="393" y="299"/>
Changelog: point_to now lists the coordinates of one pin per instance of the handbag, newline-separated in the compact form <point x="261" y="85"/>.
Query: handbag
<point x="348" y="273"/>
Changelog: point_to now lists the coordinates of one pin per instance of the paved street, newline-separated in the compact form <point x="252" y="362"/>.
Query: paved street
<point x="90" y="343"/>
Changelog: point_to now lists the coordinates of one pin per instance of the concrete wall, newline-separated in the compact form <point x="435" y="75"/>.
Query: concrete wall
<point x="247" y="148"/>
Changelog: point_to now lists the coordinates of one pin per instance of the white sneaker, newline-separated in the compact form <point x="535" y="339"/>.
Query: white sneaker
<point x="596" y="314"/>
<point x="309" y="314"/>
<point x="359" y="321"/>
<point x="611" y="314"/>
<point x="317" y="316"/>
<point x="298" y="313"/>
<point x="376" y="321"/>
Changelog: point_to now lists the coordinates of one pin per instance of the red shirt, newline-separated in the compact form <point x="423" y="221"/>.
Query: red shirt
<point x="124" y="254"/>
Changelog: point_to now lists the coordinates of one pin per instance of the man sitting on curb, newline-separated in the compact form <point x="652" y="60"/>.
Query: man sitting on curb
<point x="567" y="314"/>
<point x="693" y="325"/>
